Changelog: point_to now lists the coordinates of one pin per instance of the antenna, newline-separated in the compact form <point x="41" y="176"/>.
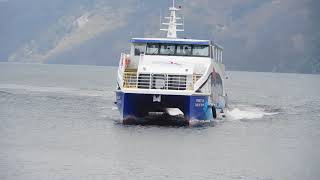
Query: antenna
<point x="160" y="17"/>
<point x="172" y="24"/>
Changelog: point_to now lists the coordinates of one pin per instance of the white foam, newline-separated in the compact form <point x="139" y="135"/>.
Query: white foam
<point x="174" y="112"/>
<point x="247" y="113"/>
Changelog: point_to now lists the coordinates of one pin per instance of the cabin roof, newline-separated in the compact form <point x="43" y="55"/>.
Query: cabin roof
<point x="169" y="41"/>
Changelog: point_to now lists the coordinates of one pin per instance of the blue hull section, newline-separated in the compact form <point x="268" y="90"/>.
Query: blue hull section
<point x="136" y="108"/>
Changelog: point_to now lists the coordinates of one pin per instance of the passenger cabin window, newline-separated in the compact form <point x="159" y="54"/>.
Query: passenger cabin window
<point x="167" y="49"/>
<point x="202" y="51"/>
<point x="139" y="49"/>
<point x="178" y="50"/>
<point x="153" y="49"/>
<point x="184" y="50"/>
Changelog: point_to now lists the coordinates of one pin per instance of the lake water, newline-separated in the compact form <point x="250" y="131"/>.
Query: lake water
<point x="59" y="123"/>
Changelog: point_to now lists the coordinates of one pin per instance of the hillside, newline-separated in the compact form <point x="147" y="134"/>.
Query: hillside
<point x="269" y="35"/>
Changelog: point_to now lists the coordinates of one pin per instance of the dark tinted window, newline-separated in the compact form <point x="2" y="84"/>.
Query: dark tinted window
<point x="139" y="49"/>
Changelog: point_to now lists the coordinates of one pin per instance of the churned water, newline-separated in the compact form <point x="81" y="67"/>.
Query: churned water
<point x="59" y="123"/>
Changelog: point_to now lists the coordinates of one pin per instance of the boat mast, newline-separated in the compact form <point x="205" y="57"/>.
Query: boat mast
<point x="172" y="25"/>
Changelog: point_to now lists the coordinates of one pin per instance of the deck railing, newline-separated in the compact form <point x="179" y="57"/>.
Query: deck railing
<point x="133" y="80"/>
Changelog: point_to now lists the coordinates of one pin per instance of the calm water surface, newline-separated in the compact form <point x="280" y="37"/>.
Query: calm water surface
<point x="59" y="123"/>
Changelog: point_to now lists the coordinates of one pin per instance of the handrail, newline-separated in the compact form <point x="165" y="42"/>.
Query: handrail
<point x="133" y="80"/>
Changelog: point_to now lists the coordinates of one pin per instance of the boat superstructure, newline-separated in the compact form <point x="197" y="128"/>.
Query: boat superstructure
<point x="171" y="80"/>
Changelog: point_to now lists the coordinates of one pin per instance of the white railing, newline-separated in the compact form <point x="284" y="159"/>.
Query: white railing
<point x="121" y="68"/>
<point x="133" y="80"/>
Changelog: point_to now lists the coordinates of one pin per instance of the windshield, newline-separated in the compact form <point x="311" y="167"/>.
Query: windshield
<point x="139" y="49"/>
<point x="200" y="51"/>
<point x="178" y="50"/>
<point x="152" y="49"/>
<point x="167" y="49"/>
<point x="184" y="50"/>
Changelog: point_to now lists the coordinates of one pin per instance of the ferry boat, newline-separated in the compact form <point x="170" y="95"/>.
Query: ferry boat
<point x="172" y="81"/>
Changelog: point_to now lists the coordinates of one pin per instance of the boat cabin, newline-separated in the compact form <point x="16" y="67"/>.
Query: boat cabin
<point x="174" y="47"/>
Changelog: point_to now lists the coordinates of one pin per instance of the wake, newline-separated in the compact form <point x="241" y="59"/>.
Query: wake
<point x="241" y="112"/>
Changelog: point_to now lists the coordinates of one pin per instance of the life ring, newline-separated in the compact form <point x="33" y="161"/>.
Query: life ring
<point x="127" y="61"/>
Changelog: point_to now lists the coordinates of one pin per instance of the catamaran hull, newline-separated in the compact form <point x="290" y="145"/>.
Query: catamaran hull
<point x="145" y="110"/>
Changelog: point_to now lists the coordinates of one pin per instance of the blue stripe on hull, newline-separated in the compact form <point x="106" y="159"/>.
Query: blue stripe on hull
<point x="138" y="106"/>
